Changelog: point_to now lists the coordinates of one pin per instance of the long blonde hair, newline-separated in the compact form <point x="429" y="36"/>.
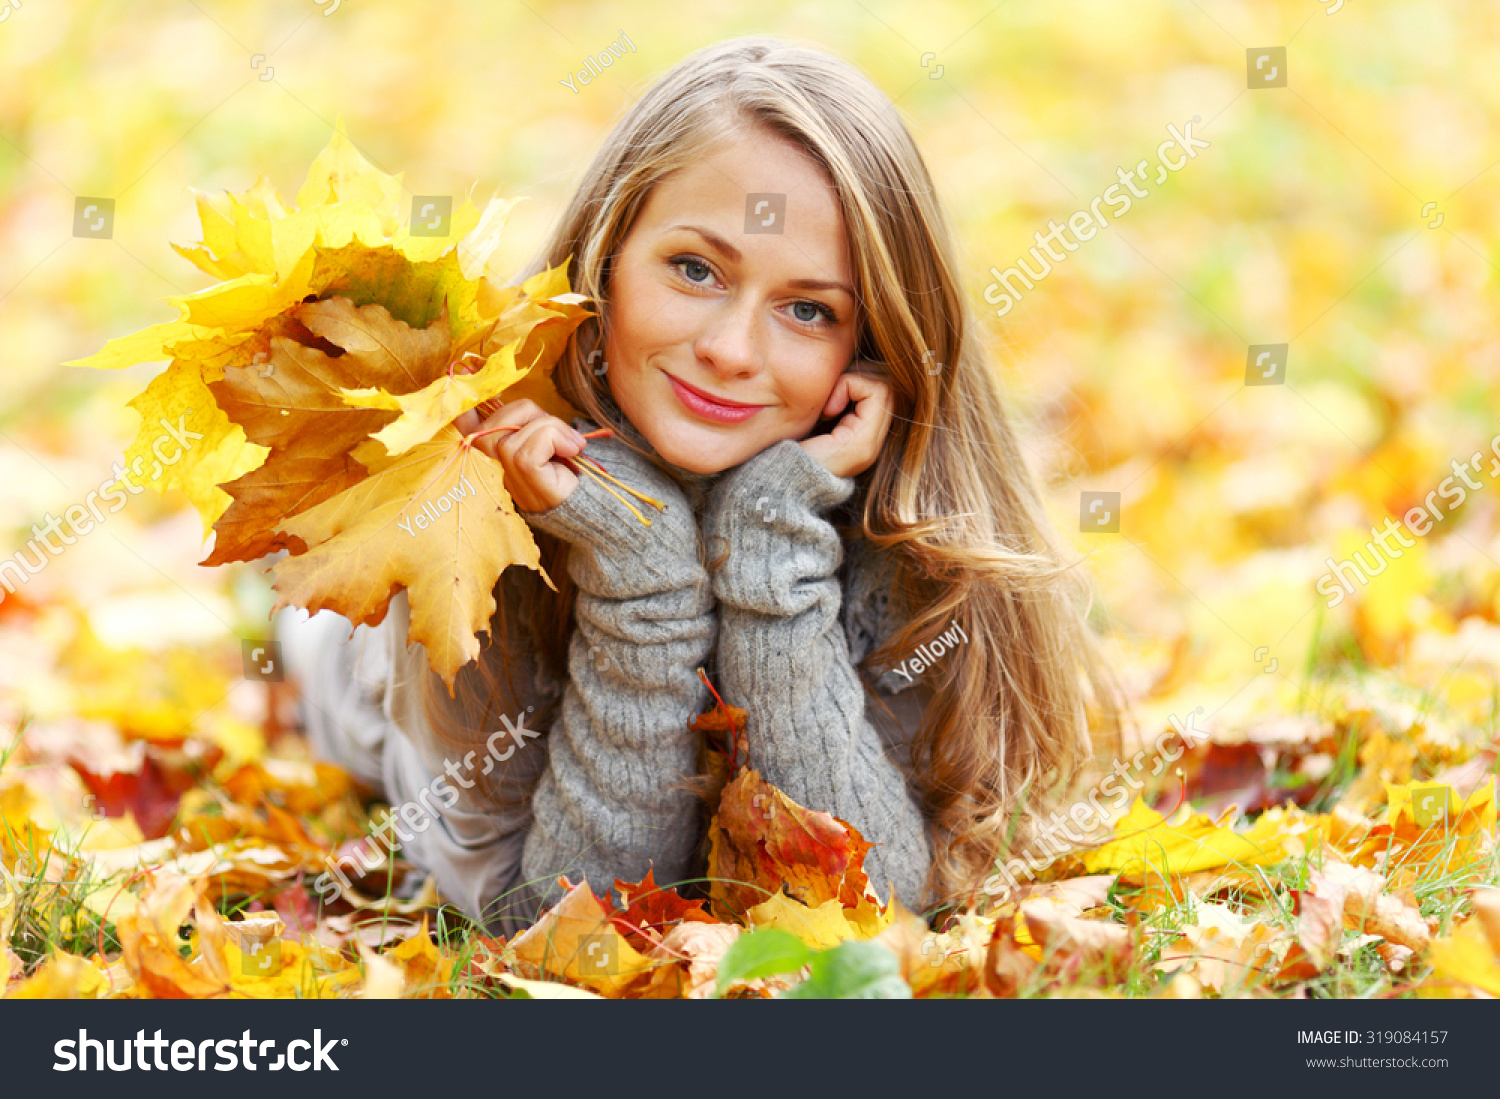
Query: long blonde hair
<point x="1014" y="712"/>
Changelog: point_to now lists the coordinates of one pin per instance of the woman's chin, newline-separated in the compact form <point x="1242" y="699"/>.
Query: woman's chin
<point x="695" y="461"/>
<point x="689" y="447"/>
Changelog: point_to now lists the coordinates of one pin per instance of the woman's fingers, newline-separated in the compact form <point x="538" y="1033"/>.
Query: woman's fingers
<point x="527" y="442"/>
<point x="511" y="416"/>
<point x="468" y="422"/>
<point x="537" y="443"/>
<point x="838" y="398"/>
<point x="871" y="397"/>
<point x="855" y="441"/>
<point x="536" y="482"/>
<point x="865" y="425"/>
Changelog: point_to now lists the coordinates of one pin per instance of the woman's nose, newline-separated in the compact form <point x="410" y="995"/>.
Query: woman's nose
<point x="732" y="340"/>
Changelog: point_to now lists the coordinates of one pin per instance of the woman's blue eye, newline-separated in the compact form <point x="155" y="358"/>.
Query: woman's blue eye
<point x="685" y="263"/>
<point x="817" y="311"/>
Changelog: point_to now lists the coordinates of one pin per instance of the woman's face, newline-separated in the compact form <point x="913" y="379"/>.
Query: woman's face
<point x="723" y="340"/>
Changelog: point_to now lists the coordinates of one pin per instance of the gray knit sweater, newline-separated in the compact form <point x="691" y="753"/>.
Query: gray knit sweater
<point x="779" y="626"/>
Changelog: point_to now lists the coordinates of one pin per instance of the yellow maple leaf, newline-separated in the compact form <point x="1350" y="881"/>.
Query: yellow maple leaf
<point x="1474" y="814"/>
<point x="436" y="521"/>
<point x="63" y="976"/>
<point x="575" y="940"/>
<point x="1470" y="957"/>
<point x="828" y="924"/>
<point x="1144" y="840"/>
<point x="819" y="927"/>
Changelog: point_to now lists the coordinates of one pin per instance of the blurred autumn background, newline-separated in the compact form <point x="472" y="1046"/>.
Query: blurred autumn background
<point x="1349" y="215"/>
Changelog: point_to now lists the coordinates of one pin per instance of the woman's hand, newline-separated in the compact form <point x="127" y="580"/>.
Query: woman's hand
<point x="534" y="477"/>
<point x="854" y="443"/>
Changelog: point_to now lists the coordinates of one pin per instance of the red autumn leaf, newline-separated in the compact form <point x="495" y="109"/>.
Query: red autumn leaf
<point x="651" y="911"/>
<point x="296" y="908"/>
<point x="150" y="793"/>
<point x="724" y="728"/>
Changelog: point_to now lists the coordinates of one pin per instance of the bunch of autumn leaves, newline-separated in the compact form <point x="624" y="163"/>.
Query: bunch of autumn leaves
<point x="320" y="381"/>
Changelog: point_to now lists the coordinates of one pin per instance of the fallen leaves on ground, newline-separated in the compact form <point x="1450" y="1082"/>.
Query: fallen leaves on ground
<point x="173" y="858"/>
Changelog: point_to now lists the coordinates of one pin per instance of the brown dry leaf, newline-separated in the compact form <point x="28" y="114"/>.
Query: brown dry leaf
<point x="149" y="943"/>
<point x="1360" y="895"/>
<point x="1086" y="892"/>
<point x="254" y="929"/>
<point x="1396" y="958"/>
<point x="1320" y="926"/>
<point x="940" y="964"/>
<point x="687" y="961"/>
<point x="1046" y="940"/>
<point x="244" y="954"/>
<point x="1222" y="949"/>
<point x="289" y="400"/>
<point x="1075" y="946"/>
<point x="378" y="910"/>
<point x="1008" y="968"/>
<point x="762" y="842"/>
<point x="212" y="939"/>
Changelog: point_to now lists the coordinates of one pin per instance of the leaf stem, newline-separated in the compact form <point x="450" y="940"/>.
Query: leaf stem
<point x="573" y="464"/>
<point x="601" y="471"/>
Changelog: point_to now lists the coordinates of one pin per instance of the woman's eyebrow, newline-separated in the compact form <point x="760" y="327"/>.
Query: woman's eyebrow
<point x="737" y="256"/>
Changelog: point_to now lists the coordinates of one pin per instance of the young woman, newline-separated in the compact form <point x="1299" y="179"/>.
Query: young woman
<point x="853" y="548"/>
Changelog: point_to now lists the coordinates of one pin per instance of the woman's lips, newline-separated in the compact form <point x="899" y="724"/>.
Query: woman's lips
<point x="709" y="409"/>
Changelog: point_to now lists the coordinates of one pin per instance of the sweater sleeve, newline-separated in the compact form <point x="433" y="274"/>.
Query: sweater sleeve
<point x="783" y="656"/>
<point x="606" y="806"/>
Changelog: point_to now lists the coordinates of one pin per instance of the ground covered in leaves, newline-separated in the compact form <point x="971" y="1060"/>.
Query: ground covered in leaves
<point x="157" y="843"/>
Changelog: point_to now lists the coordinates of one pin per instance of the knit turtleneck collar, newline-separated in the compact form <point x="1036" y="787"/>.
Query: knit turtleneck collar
<point x="694" y="485"/>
